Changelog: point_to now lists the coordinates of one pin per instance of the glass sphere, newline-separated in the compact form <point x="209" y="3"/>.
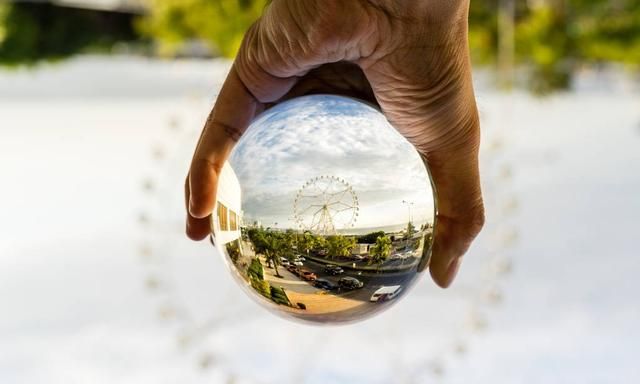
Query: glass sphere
<point x="324" y="211"/>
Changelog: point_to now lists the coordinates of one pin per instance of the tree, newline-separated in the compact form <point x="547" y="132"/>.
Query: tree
<point x="380" y="251"/>
<point x="340" y="246"/>
<point x="370" y="238"/>
<point x="554" y="37"/>
<point x="31" y="32"/>
<point x="279" y="296"/>
<point x="219" y="23"/>
<point x="320" y="242"/>
<point x="411" y="229"/>
<point x="273" y="245"/>
<point x="268" y="244"/>
<point x="306" y="242"/>
<point x="255" y="270"/>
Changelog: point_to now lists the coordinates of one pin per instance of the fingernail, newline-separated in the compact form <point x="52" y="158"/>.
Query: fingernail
<point x="452" y="270"/>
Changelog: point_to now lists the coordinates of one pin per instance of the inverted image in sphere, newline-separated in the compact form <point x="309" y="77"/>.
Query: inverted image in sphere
<point x="324" y="211"/>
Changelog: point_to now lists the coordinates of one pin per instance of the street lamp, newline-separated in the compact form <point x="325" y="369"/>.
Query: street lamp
<point x="409" y="204"/>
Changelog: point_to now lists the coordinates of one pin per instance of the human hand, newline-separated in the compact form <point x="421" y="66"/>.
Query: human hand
<point x="409" y="57"/>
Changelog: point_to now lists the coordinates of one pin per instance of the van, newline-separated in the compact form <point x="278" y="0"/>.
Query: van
<point x="386" y="293"/>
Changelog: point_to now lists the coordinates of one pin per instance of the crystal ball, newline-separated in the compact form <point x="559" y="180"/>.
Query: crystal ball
<point x="324" y="212"/>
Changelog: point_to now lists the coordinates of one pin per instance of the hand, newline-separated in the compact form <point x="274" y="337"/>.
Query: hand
<point x="410" y="57"/>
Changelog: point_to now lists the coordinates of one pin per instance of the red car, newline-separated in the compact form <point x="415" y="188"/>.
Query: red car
<point x="308" y="275"/>
<point x="293" y="269"/>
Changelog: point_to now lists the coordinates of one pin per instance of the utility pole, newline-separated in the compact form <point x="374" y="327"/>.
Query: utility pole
<point x="409" y="204"/>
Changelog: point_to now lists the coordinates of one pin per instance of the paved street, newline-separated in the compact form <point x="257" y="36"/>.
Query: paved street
<point x="338" y="304"/>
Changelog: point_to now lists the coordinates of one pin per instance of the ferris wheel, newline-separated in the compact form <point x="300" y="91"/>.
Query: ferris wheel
<point x="325" y="204"/>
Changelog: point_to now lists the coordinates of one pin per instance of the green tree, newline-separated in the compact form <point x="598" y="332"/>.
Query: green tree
<point x="273" y="246"/>
<point x="380" y="251"/>
<point x="279" y="296"/>
<point x="220" y="23"/>
<point x="32" y="32"/>
<point x="411" y="229"/>
<point x="320" y="242"/>
<point x="255" y="270"/>
<point x="306" y="242"/>
<point x="554" y="37"/>
<point x="340" y="246"/>
<point x="370" y="238"/>
<point x="269" y="244"/>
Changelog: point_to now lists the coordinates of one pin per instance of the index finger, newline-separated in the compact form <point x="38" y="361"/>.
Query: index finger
<point x="232" y="113"/>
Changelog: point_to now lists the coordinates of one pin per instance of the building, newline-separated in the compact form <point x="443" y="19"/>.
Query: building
<point x="227" y="220"/>
<point x="361" y="249"/>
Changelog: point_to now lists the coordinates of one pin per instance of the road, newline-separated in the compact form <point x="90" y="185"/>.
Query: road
<point x="371" y="281"/>
<point x="293" y="283"/>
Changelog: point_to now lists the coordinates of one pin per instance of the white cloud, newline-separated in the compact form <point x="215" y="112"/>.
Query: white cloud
<point x="329" y="135"/>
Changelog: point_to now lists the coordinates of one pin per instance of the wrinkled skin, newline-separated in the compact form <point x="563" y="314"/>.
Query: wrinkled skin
<point x="410" y="57"/>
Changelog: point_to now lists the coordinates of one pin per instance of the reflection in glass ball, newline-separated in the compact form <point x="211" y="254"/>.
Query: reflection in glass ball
<point x="325" y="212"/>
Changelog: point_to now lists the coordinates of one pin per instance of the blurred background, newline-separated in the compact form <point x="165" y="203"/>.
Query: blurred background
<point x="101" y="103"/>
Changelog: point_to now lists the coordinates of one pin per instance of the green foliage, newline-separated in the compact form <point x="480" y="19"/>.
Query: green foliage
<point x="340" y="246"/>
<point x="306" y="242"/>
<point x="380" y="251"/>
<point x="279" y="296"/>
<point x="411" y="229"/>
<point x="370" y="238"/>
<point x="554" y="37"/>
<point x="220" y="23"/>
<point x="233" y="250"/>
<point x="262" y="287"/>
<point x="33" y="32"/>
<point x="272" y="245"/>
<point x="255" y="270"/>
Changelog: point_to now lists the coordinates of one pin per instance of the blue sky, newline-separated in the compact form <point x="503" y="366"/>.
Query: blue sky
<point x="330" y="135"/>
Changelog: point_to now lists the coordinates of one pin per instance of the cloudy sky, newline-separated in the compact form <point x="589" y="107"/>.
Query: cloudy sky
<point x="330" y="136"/>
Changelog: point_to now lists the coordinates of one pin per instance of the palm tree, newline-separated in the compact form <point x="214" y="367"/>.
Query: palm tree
<point x="273" y="249"/>
<point x="307" y="242"/>
<point x="340" y="246"/>
<point x="380" y="251"/>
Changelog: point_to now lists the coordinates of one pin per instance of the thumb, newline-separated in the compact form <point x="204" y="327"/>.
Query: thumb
<point x="460" y="210"/>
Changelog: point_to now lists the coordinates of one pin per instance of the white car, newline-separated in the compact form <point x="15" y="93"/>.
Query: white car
<point x="285" y="263"/>
<point x="386" y="293"/>
<point x="297" y="263"/>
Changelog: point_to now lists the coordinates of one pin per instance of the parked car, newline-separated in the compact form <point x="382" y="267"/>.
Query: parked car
<point x="293" y="269"/>
<point x="324" y="284"/>
<point x="350" y="283"/>
<point x="333" y="269"/>
<point x="357" y="257"/>
<point x="386" y="293"/>
<point x="300" y="258"/>
<point x="308" y="275"/>
<point x="285" y="262"/>
<point x="298" y="263"/>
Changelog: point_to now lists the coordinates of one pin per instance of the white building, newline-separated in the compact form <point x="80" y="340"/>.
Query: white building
<point x="361" y="249"/>
<point x="227" y="218"/>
